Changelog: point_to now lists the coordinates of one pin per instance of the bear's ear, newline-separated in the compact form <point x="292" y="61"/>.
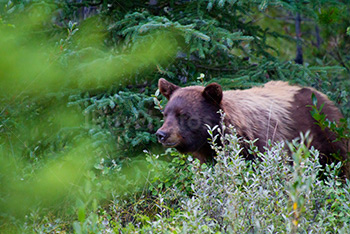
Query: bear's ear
<point x="166" y="88"/>
<point x="213" y="93"/>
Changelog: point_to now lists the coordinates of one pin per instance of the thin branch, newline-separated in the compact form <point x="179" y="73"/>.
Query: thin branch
<point x="339" y="58"/>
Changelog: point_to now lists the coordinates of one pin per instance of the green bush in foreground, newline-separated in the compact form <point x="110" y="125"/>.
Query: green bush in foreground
<point x="271" y="195"/>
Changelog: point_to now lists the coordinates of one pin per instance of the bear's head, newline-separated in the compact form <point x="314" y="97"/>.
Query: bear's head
<point x="188" y="111"/>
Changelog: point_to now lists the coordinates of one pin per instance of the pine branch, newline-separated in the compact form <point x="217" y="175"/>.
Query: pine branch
<point x="85" y="4"/>
<point x="289" y="19"/>
<point x="215" y="68"/>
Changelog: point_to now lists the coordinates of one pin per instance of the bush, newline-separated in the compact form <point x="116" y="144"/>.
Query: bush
<point x="273" y="194"/>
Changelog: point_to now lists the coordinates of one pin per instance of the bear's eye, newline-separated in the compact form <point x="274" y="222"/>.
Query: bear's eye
<point x="182" y="115"/>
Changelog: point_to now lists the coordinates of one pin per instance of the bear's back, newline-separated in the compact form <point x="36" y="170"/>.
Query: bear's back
<point x="261" y="112"/>
<point x="278" y="111"/>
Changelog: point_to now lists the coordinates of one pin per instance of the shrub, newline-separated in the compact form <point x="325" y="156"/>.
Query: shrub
<point x="274" y="194"/>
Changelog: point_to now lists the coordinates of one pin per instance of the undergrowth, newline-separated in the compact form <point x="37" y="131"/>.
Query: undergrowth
<point x="273" y="194"/>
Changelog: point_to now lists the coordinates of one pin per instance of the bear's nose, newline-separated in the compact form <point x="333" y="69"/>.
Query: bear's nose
<point x="161" y="136"/>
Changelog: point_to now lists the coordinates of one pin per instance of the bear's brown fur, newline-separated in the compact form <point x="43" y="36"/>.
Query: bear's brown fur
<point x="277" y="112"/>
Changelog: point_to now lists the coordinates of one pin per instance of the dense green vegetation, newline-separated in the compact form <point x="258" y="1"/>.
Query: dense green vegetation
<point x="79" y="108"/>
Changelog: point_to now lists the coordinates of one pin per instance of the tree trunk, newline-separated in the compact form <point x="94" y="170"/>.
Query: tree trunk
<point x="299" y="55"/>
<point x="318" y="37"/>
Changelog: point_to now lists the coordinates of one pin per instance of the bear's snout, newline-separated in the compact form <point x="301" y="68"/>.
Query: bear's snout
<point x="168" y="137"/>
<point x="161" y="136"/>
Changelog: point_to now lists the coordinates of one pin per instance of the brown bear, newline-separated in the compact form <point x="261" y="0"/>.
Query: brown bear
<point x="276" y="112"/>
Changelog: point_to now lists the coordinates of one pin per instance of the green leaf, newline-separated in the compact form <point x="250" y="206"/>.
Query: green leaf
<point x="77" y="228"/>
<point x="81" y="214"/>
<point x="314" y="99"/>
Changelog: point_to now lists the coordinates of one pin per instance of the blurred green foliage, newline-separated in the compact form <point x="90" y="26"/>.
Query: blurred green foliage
<point x="48" y="152"/>
<point x="77" y="84"/>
